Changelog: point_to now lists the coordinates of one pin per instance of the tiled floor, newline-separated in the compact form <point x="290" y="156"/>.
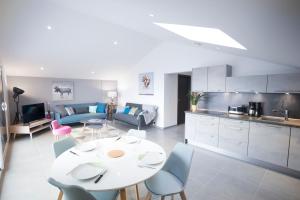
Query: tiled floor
<point x="212" y="177"/>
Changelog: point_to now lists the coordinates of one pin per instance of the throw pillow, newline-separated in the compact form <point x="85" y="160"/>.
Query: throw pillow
<point x="126" y="110"/>
<point x="133" y="110"/>
<point x="120" y="109"/>
<point x="81" y="110"/>
<point x="92" y="109"/>
<point x="70" y="110"/>
<point x="101" y="107"/>
<point x="61" y="110"/>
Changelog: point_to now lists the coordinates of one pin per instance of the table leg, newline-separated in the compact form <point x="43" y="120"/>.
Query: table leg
<point x="123" y="194"/>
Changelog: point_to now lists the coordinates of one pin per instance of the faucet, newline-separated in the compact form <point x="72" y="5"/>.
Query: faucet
<point x="283" y="112"/>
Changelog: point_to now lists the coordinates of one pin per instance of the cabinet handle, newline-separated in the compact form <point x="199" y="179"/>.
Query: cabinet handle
<point x="234" y="128"/>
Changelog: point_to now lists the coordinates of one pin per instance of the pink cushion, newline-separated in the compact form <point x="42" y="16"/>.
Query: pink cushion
<point x="62" y="130"/>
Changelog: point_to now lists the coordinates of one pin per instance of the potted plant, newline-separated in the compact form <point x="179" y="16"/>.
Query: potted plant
<point x="194" y="98"/>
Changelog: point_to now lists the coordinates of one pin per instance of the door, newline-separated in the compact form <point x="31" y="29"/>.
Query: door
<point x="183" y="104"/>
<point x="3" y="130"/>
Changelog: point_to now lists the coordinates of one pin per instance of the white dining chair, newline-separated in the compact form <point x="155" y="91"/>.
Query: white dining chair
<point x="172" y="178"/>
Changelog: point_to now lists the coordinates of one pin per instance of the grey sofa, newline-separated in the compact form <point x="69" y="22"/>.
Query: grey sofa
<point x="135" y="120"/>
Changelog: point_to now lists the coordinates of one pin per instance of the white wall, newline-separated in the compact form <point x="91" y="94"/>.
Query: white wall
<point x="174" y="58"/>
<point x="170" y="99"/>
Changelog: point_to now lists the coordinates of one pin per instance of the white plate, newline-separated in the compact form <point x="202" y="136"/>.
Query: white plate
<point x="130" y="139"/>
<point x="152" y="158"/>
<point x="86" y="146"/>
<point x="86" y="171"/>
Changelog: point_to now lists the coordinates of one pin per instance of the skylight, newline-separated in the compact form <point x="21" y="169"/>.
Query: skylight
<point x="203" y="34"/>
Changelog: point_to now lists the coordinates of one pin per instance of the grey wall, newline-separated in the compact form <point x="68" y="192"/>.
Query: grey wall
<point x="221" y="101"/>
<point x="38" y="90"/>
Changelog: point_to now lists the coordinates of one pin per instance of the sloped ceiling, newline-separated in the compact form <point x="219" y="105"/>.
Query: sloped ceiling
<point x="83" y="33"/>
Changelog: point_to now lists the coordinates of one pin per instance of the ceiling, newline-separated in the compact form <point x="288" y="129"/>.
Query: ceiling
<point x="83" y="32"/>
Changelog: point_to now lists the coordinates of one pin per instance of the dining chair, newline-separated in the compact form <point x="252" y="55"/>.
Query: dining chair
<point x="72" y="192"/>
<point x="142" y="135"/>
<point x="172" y="178"/>
<point x="59" y="130"/>
<point x="63" y="145"/>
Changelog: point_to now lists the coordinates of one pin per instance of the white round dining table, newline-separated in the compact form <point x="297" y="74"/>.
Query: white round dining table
<point x="121" y="172"/>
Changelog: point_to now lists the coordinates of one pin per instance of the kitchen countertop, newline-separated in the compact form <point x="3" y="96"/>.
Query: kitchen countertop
<point x="291" y="122"/>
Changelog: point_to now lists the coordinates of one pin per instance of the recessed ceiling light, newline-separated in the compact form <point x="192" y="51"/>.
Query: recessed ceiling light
<point x="92" y="72"/>
<point x="202" y="34"/>
<point x="287" y="93"/>
<point x="115" y="43"/>
<point x="49" y="27"/>
<point x="151" y="15"/>
<point x="236" y="92"/>
<point x="42" y="68"/>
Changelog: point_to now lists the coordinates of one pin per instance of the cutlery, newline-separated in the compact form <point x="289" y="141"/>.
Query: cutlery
<point x="74" y="153"/>
<point x="118" y="138"/>
<point x="99" y="177"/>
<point x="146" y="166"/>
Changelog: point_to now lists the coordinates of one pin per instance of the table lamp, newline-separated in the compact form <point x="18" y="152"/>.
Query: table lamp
<point x="112" y="95"/>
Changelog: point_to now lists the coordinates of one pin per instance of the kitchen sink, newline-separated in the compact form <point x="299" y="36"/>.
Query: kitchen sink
<point x="272" y="119"/>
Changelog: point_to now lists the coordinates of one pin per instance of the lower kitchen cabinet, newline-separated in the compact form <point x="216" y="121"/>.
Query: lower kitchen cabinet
<point x="294" y="156"/>
<point x="233" y="136"/>
<point x="201" y="129"/>
<point x="269" y="143"/>
<point x="207" y="128"/>
<point x="190" y="126"/>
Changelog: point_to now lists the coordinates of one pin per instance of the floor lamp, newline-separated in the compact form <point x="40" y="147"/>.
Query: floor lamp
<point x="16" y="96"/>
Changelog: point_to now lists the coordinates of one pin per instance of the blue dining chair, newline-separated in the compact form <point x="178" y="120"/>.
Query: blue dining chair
<point x="63" y="145"/>
<point x="172" y="178"/>
<point x="72" y="192"/>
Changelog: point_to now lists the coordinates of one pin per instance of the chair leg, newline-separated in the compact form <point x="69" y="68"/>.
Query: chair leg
<point x="60" y="195"/>
<point x="182" y="195"/>
<point x="137" y="192"/>
<point x="148" y="197"/>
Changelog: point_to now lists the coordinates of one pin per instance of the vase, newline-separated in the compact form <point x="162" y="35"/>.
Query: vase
<point x="194" y="108"/>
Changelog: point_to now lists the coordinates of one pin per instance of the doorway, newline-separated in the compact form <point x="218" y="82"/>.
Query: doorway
<point x="183" y="100"/>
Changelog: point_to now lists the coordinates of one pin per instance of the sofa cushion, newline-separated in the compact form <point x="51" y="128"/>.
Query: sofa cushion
<point x="101" y="107"/>
<point x="81" y="110"/>
<point x="61" y="110"/>
<point x="70" y="110"/>
<point x="126" y="110"/>
<point x="133" y="110"/>
<point x="130" y="119"/>
<point x="92" y="109"/>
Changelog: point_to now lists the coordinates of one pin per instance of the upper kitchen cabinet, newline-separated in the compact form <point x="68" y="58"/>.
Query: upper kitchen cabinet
<point x="216" y="78"/>
<point x="199" y="79"/>
<point x="247" y="84"/>
<point x="283" y="83"/>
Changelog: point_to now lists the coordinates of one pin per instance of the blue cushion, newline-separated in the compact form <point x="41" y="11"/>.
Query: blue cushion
<point x="127" y="110"/>
<point x="101" y="107"/>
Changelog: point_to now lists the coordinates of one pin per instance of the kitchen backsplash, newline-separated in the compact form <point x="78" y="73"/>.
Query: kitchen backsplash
<point x="221" y="101"/>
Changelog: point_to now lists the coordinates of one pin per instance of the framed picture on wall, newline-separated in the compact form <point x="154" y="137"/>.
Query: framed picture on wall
<point x="62" y="90"/>
<point x="146" y="83"/>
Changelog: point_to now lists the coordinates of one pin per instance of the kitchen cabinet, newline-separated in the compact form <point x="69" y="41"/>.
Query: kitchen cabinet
<point x="190" y="126"/>
<point x="269" y="143"/>
<point x="283" y="83"/>
<point x="201" y="129"/>
<point x="294" y="152"/>
<point x="216" y="78"/>
<point x="249" y="84"/>
<point x="233" y="136"/>
<point x="199" y="79"/>
<point x="207" y="128"/>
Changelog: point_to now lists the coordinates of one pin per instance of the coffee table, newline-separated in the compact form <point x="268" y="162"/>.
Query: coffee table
<point x="94" y="124"/>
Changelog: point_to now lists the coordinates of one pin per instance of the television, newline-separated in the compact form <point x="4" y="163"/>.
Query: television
<point x="33" y="112"/>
